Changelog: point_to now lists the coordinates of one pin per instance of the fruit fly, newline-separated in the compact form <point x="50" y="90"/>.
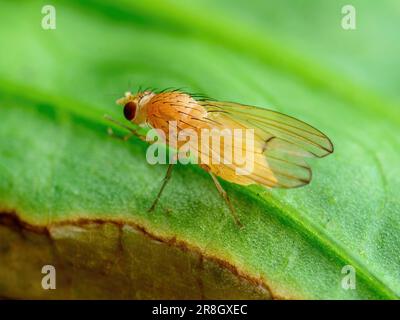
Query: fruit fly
<point x="280" y="143"/>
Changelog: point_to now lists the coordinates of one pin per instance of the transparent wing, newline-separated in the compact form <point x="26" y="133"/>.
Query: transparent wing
<point x="283" y="141"/>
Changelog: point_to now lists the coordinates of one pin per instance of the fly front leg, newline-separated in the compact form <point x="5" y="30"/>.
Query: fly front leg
<point x="165" y="181"/>
<point x="132" y="132"/>
<point x="126" y="137"/>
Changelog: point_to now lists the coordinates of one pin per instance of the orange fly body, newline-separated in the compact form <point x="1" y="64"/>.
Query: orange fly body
<point x="279" y="146"/>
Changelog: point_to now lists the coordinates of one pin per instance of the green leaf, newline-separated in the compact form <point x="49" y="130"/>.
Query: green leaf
<point x="72" y="196"/>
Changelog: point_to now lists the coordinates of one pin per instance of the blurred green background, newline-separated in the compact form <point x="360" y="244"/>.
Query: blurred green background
<point x="291" y="56"/>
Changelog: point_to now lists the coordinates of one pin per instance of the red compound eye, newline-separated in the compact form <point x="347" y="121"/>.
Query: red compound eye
<point x="130" y="110"/>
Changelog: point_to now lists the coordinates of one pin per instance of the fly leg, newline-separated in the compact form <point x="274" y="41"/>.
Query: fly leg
<point x="225" y="196"/>
<point x="132" y="132"/>
<point x="126" y="137"/>
<point x="165" y="181"/>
